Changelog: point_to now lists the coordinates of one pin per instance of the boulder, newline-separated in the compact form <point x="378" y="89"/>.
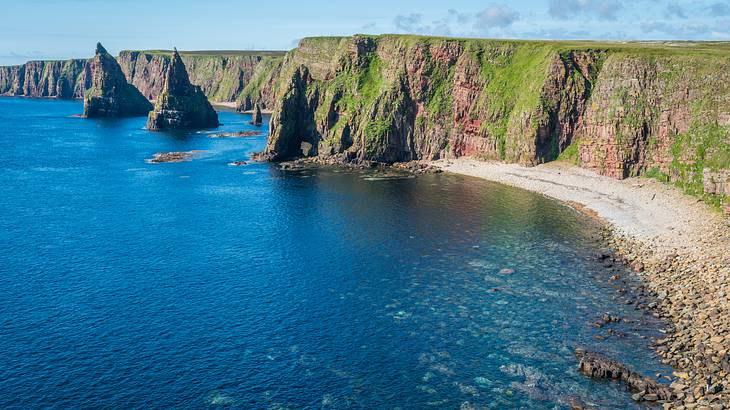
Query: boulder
<point x="110" y="94"/>
<point x="181" y="105"/>
<point x="716" y="182"/>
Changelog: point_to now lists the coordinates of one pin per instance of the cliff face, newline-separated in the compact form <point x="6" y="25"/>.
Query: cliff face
<point x="180" y="104"/>
<point x="401" y="98"/>
<point x="57" y="79"/>
<point x="222" y="76"/>
<point x="620" y="110"/>
<point x="261" y="88"/>
<point x="668" y="115"/>
<point x="110" y="94"/>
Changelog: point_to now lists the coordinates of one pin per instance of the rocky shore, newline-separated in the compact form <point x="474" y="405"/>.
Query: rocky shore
<point x="677" y="245"/>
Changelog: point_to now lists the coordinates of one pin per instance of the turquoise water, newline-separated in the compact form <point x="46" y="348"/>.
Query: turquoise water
<point x="125" y="284"/>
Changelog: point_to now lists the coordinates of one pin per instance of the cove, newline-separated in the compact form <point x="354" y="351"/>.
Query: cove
<point x="202" y="285"/>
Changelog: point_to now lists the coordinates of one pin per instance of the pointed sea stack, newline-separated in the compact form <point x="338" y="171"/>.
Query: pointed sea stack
<point x="110" y="94"/>
<point x="181" y="105"/>
<point x="256" y="117"/>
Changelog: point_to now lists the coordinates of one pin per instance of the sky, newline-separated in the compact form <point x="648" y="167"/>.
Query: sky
<point x="61" y="29"/>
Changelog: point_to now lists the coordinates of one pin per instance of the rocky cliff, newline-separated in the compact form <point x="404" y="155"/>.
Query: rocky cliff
<point x="180" y="104"/>
<point x="54" y="79"/>
<point x="110" y="94"/>
<point x="619" y="109"/>
<point x="222" y="75"/>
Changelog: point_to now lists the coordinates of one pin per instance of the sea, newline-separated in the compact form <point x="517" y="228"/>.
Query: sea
<point x="204" y="285"/>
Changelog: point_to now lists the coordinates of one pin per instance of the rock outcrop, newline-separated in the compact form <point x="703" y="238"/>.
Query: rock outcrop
<point x="620" y="110"/>
<point x="110" y="94"/>
<point x="597" y="366"/>
<point x="181" y="105"/>
<point x="257" y="117"/>
<point x="222" y="75"/>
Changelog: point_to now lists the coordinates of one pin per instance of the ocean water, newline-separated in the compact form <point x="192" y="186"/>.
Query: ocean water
<point x="125" y="284"/>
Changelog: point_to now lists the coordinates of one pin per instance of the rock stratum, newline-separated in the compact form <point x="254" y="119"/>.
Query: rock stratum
<point x="224" y="76"/>
<point x="620" y="109"/>
<point x="110" y="94"/>
<point x="180" y="105"/>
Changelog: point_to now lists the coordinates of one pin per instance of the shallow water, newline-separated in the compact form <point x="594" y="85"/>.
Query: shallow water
<point x="198" y="284"/>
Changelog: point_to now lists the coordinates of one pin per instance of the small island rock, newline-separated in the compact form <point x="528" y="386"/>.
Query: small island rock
<point x="110" y="94"/>
<point x="181" y="105"/>
<point x="257" y="117"/>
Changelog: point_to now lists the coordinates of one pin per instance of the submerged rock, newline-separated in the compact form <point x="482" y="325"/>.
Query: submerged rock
<point x="110" y="94"/>
<point x="597" y="366"/>
<point x="181" y="105"/>
<point x="257" y="117"/>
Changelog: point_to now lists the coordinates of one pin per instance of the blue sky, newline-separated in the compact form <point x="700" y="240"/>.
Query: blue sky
<point x="59" y="29"/>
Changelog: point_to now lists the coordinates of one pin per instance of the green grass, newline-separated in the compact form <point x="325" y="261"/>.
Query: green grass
<point x="571" y="154"/>
<point x="656" y="48"/>
<point x="377" y="129"/>
<point x="656" y="173"/>
<point x="370" y="82"/>
<point x="703" y="146"/>
<point x="214" y="53"/>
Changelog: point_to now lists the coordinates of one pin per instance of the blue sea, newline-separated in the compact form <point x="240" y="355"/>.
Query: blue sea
<point x="126" y="284"/>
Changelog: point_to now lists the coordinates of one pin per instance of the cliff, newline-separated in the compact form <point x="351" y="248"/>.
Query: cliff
<point x="110" y="94"/>
<point x="180" y="104"/>
<point x="619" y="109"/>
<point x="53" y="79"/>
<point x="222" y="75"/>
<point x="261" y="88"/>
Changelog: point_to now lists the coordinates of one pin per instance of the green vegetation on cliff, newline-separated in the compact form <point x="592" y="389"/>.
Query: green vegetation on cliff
<point x="621" y="109"/>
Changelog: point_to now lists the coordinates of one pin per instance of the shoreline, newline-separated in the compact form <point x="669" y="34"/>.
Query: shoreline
<point x="677" y="245"/>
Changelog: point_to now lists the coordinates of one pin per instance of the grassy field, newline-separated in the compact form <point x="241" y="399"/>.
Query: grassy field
<point x="654" y="47"/>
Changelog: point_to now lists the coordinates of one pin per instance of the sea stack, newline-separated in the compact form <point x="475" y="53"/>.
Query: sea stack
<point x="257" y="118"/>
<point x="110" y="94"/>
<point x="181" y="105"/>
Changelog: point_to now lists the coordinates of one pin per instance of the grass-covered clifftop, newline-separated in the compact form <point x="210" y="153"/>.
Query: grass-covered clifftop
<point x="621" y="109"/>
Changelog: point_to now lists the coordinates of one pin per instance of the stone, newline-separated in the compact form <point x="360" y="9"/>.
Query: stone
<point x="163" y="157"/>
<point x="110" y="94"/>
<point x="598" y="366"/>
<point x="181" y="105"/>
<point x="257" y="118"/>
<point x="716" y="182"/>
<point x="238" y="134"/>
